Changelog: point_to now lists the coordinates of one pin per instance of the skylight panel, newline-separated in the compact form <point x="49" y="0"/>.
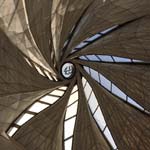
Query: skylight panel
<point x="95" y="75"/>
<point x="93" y="103"/>
<point x="23" y="119"/>
<point x="83" y="58"/>
<point x="69" y="127"/>
<point x="73" y="98"/>
<point x="49" y="99"/>
<point x="38" y="107"/>
<point x="109" y="29"/>
<point x="83" y="81"/>
<point x="105" y="82"/>
<point x="98" y="116"/>
<point x="63" y="88"/>
<point x="68" y="144"/>
<point x="87" y="69"/>
<point x="75" y="89"/>
<point x="132" y="102"/>
<point x="71" y="110"/>
<point x="88" y="90"/>
<point x="96" y="36"/>
<point x="105" y="58"/>
<point x="82" y="44"/>
<point x="115" y="90"/>
<point x="118" y="92"/>
<point x="57" y="92"/>
<point x="109" y="136"/>
<point x="121" y="59"/>
<point x="92" y="58"/>
<point x="12" y="131"/>
<point x="136" y="61"/>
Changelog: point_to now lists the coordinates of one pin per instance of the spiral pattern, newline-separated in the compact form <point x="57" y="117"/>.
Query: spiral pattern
<point x="75" y="74"/>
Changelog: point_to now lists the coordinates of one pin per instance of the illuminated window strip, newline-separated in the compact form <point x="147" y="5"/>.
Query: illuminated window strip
<point x="93" y="38"/>
<point x="70" y="119"/>
<point x="38" y="106"/>
<point x="108" y="85"/>
<point x="97" y="113"/>
<point x="108" y="58"/>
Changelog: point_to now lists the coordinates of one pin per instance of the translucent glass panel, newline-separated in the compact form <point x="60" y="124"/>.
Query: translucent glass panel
<point x="23" y="119"/>
<point x="68" y="144"/>
<point x="72" y="110"/>
<point x="70" y="118"/>
<point x="57" y="93"/>
<point x="49" y="99"/>
<point x="12" y="131"/>
<point x="38" y="106"/>
<point x="107" y="84"/>
<point x="93" y="38"/>
<point x="97" y="113"/>
<point x="69" y="127"/>
<point x="109" y="58"/>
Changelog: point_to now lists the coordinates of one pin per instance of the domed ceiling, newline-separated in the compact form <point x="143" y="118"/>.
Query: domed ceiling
<point x="75" y="74"/>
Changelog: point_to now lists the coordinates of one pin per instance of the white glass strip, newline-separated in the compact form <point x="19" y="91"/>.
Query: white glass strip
<point x="38" y="107"/>
<point x="132" y="102"/>
<point x="136" y="61"/>
<point x="106" y="58"/>
<point x="49" y="99"/>
<point x="109" y="29"/>
<point x="12" y="131"/>
<point x="92" y="58"/>
<point x="93" y="38"/>
<point x="83" y="58"/>
<point x="83" y="81"/>
<point x="69" y="127"/>
<point x="109" y="58"/>
<point x="87" y="69"/>
<point x="105" y="82"/>
<point x="118" y="92"/>
<point x="100" y="119"/>
<point x="109" y="136"/>
<point x="68" y="144"/>
<point x="73" y="98"/>
<point x="23" y="119"/>
<point x="75" y="88"/>
<point x="93" y="102"/>
<point x="71" y="110"/>
<point x="81" y="45"/>
<point x="63" y="88"/>
<point x="94" y="74"/>
<point x="121" y="59"/>
<point x="88" y="90"/>
<point x="57" y="93"/>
